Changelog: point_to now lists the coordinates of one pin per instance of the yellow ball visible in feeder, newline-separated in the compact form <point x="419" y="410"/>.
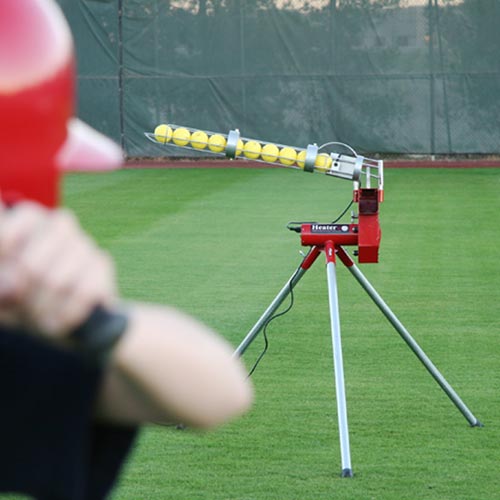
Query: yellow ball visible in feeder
<point x="239" y="147"/>
<point x="270" y="152"/>
<point x="217" y="143"/>
<point x="199" y="139"/>
<point x="252" y="149"/>
<point x="323" y="162"/>
<point x="301" y="159"/>
<point x="163" y="133"/>
<point x="181" y="136"/>
<point x="288" y="155"/>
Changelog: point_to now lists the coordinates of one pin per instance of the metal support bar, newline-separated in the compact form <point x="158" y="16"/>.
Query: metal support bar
<point x="337" y="361"/>
<point x="403" y="332"/>
<point x="278" y="300"/>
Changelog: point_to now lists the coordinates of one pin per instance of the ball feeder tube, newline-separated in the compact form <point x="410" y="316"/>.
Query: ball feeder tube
<point x="350" y="166"/>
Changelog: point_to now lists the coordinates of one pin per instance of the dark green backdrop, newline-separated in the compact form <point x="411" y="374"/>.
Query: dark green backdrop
<point x="386" y="76"/>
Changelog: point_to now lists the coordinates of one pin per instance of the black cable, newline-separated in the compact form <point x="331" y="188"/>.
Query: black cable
<point x="264" y="332"/>
<point x="343" y="213"/>
<point x="295" y="225"/>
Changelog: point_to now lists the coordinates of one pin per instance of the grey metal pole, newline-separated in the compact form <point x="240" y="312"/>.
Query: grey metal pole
<point x="338" y="362"/>
<point x="403" y="332"/>
<point x="282" y="295"/>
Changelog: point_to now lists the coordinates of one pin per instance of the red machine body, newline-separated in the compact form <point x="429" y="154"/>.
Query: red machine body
<point x="365" y="235"/>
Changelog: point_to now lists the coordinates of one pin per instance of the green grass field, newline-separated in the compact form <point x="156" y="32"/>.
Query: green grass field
<point x="214" y="243"/>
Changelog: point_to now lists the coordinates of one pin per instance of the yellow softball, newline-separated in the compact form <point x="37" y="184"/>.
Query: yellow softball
<point x="301" y="159"/>
<point x="163" y="133"/>
<point x="270" y="152"/>
<point x="252" y="149"/>
<point x="288" y="155"/>
<point x="199" y="139"/>
<point x="217" y="143"/>
<point x="181" y="136"/>
<point x="323" y="162"/>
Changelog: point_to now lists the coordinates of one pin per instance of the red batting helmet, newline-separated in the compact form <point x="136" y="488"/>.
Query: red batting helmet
<point x="39" y="135"/>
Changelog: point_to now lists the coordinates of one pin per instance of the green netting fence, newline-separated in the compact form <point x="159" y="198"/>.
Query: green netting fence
<point x="385" y="76"/>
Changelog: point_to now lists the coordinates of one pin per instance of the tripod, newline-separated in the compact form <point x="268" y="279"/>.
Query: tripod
<point x="330" y="239"/>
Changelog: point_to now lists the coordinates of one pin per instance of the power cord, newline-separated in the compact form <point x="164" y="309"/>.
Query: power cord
<point x="264" y="331"/>
<point x="293" y="226"/>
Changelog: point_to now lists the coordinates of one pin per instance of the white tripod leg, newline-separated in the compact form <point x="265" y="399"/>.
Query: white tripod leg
<point x="338" y="363"/>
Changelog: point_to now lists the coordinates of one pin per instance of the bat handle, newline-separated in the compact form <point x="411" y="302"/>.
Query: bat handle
<point x="98" y="334"/>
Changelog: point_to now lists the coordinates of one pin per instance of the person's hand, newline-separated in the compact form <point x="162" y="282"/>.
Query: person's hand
<point x="51" y="273"/>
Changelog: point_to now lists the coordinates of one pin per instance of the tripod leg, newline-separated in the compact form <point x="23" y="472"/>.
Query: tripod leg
<point x="306" y="263"/>
<point x="431" y="368"/>
<point x="338" y="363"/>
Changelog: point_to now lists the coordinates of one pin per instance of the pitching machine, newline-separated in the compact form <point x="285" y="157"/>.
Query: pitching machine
<point x="331" y="239"/>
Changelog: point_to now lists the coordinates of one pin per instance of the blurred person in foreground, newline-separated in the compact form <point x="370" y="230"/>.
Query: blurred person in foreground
<point x="79" y="371"/>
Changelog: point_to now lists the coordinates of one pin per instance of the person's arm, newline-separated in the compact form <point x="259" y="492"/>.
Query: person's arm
<point x="166" y="366"/>
<point x="169" y="366"/>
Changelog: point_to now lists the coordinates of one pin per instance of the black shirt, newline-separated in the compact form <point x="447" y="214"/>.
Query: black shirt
<point x="50" y="446"/>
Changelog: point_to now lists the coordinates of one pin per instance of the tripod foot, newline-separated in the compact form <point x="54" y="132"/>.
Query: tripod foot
<point x="477" y="423"/>
<point x="347" y="473"/>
